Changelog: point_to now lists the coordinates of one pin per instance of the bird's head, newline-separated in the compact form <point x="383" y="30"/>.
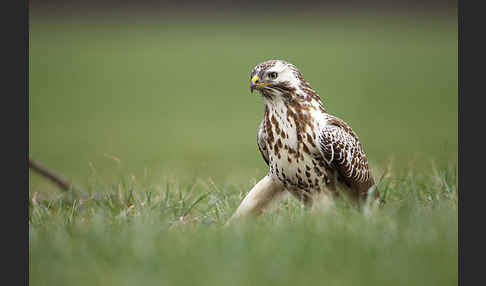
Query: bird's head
<point x="277" y="77"/>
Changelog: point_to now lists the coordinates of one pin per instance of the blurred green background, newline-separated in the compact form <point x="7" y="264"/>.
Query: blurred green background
<point x="149" y="109"/>
<point x="170" y="94"/>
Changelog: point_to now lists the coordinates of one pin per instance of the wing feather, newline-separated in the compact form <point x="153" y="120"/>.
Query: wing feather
<point x="341" y="149"/>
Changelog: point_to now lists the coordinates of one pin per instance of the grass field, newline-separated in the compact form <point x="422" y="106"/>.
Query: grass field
<point x="154" y="120"/>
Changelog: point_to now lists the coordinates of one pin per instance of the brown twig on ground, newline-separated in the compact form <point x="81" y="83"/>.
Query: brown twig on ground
<point x="58" y="179"/>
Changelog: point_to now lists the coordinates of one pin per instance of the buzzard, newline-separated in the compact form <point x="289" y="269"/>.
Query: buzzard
<point x="309" y="152"/>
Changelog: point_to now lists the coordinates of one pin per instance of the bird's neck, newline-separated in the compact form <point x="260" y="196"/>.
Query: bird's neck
<point x="296" y="114"/>
<point x="296" y="102"/>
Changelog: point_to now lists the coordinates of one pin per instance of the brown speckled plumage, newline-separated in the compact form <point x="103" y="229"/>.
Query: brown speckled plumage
<point x="307" y="149"/>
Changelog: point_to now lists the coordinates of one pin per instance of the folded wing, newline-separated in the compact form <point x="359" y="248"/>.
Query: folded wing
<point x="342" y="151"/>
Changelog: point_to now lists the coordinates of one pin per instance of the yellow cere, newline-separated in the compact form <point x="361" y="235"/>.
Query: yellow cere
<point x="255" y="79"/>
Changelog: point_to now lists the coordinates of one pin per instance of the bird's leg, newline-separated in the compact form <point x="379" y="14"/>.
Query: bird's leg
<point x="314" y="201"/>
<point x="259" y="197"/>
<point x="303" y="196"/>
<point x="322" y="201"/>
<point x="331" y="185"/>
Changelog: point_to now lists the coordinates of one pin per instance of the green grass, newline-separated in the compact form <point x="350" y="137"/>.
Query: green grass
<point x="171" y="234"/>
<point x="154" y="120"/>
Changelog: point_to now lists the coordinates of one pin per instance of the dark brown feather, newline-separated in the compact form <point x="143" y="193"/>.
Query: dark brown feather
<point x="342" y="150"/>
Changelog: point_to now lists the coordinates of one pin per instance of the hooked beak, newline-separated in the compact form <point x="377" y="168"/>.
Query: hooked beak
<point x="255" y="83"/>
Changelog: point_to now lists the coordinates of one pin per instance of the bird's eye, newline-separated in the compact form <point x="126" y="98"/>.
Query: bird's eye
<point x="273" y="75"/>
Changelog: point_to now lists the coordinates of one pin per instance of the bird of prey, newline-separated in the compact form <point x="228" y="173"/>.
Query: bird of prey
<point x="308" y="151"/>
